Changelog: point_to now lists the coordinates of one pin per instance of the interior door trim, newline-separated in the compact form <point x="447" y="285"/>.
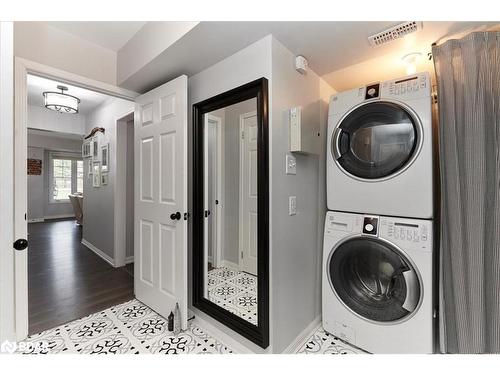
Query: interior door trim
<point x="259" y="334"/>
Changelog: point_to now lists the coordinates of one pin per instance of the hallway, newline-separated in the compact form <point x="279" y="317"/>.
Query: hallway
<point x="67" y="281"/>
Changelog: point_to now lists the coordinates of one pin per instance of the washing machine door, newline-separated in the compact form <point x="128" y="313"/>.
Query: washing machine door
<point x="374" y="280"/>
<point x="376" y="140"/>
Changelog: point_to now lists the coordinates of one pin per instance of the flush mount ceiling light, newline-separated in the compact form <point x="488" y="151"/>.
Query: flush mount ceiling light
<point x="61" y="102"/>
<point x="411" y="61"/>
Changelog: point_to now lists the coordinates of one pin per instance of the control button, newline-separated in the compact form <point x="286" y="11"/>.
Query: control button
<point x="369" y="227"/>
<point x="372" y="92"/>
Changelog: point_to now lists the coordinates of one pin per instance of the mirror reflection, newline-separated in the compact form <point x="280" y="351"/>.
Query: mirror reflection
<point x="230" y="203"/>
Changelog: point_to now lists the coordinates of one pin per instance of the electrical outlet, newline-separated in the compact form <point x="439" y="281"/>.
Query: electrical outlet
<point x="291" y="165"/>
<point x="292" y="205"/>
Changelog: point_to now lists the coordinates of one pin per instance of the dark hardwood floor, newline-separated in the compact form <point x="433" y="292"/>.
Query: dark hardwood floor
<point x="67" y="281"/>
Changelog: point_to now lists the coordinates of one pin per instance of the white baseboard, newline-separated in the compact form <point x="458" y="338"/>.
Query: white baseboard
<point x="303" y="336"/>
<point x="231" y="265"/>
<point x="99" y="252"/>
<point x="39" y="220"/>
<point x="129" y="259"/>
<point x="63" y="216"/>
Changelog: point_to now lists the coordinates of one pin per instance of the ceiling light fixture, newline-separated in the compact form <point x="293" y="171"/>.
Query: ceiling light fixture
<point x="411" y="61"/>
<point x="61" y="102"/>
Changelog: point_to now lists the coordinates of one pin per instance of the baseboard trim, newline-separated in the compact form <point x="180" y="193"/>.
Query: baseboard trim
<point x="129" y="259"/>
<point x="63" y="216"/>
<point x="231" y="265"/>
<point x="303" y="336"/>
<point x="99" y="252"/>
<point x="39" y="220"/>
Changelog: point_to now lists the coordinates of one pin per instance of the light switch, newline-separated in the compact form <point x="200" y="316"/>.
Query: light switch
<point x="291" y="165"/>
<point x="292" y="205"/>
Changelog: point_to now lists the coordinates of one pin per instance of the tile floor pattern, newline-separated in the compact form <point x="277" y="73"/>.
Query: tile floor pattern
<point x="322" y="342"/>
<point x="235" y="291"/>
<point x="129" y="328"/>
<point x="133" y="328"/>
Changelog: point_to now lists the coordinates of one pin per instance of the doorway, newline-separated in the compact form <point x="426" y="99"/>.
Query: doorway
<point x="77" y="256"/>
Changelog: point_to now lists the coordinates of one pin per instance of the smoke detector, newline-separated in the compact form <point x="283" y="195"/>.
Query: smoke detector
<point x="394" y="33"/>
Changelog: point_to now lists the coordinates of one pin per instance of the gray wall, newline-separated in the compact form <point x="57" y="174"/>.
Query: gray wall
<point x="36" y="198"/>
<point x="295" y="241"/>
<point x="250" y="63"/>
<point x="39" y="206"/>
<point x="98" y="203"/>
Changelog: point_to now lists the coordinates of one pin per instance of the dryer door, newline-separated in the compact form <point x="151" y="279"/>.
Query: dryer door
<point x="376" y="140"/>
<point x="374" y="280"/>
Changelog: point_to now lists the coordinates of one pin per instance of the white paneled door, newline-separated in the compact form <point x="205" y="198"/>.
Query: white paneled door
<point x="248" y="193"/>
<point x="160" y="228"/>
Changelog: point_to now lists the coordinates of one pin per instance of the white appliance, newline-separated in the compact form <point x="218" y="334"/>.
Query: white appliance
<point x="378" y="282"/>
<point x="380" y="155"/>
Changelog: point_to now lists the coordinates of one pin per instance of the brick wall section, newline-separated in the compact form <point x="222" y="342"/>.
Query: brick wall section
<point x="34" y="167"/>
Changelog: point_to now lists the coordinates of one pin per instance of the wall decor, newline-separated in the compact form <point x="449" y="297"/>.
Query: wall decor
<point x="105" y="158"/>
<point x="104" y="178"/>
<point x="34" y="167"/>
<point x="96" y="175"/>
<point x="95" y="148"/>
<point x="89" y="167"/>
<point x="86" y="150"/>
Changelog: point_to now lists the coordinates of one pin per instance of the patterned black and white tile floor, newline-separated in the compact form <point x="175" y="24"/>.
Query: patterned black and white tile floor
<point x="133" y="328"/>
<point x="322" y="342"/>
<point x="129" y="328"/>
<point x="235" y="291"/>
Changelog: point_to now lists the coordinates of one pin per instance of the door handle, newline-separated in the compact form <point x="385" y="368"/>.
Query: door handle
<point x="207" y="213"/>
<point x="176" y="216"/>
<point x="20" y="244"/>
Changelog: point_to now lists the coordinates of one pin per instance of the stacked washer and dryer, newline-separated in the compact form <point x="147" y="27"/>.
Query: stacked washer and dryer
<point x="378" y="239"/>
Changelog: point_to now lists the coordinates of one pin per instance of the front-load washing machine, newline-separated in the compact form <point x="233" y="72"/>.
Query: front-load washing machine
<point x="378" y="282"/>
<point x="379" y="154"/>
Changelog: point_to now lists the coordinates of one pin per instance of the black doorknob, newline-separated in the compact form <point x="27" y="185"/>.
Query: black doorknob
<point x="175" y="216"/>
<point x="20" y="244"/>
<point x="207" y="213"/>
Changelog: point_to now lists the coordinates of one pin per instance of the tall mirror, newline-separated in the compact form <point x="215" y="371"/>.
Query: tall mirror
<point x="230" y="211"/>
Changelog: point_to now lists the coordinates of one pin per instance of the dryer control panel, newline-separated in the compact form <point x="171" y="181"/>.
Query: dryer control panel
<point x="411" y="87"/>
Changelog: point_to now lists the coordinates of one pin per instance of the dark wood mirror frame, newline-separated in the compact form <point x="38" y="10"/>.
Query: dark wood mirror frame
<point x="259" y="333"/>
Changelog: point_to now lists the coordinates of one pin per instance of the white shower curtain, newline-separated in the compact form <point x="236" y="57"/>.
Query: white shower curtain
<point x="468" y="78"/>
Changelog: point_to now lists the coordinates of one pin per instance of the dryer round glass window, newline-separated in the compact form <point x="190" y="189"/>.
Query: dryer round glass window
<point x="374" y="280"/>
<point x="376" y="140"/>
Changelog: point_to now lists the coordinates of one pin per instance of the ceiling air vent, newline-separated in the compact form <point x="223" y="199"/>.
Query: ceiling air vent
<point x="394" y="33"/>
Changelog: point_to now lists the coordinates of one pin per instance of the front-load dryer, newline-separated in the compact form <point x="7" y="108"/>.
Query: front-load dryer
<point x="379" y="154"/>
<point x="378" y="282"/>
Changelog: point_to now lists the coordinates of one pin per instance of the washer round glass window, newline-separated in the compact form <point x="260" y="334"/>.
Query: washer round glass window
<point x="374" y="280"/>
<point x="376" y="140"/>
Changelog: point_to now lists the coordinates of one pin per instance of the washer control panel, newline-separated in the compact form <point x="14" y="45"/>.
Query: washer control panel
<point x="407" y="231"/>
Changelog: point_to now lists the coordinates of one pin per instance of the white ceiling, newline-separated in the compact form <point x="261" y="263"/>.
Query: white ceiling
<point x="337" y="51"/>
<point x="88" y="99"/>
<point x="329" y="46"/>
<point x="110" y="34"/>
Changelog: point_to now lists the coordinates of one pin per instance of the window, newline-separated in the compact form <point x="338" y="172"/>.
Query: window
<point x="66" y="177"/>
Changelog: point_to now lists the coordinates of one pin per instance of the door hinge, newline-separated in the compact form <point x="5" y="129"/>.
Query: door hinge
<point x="242" y="135"/>
<point x="186" y="215"/>
<point x="242" y="255"/>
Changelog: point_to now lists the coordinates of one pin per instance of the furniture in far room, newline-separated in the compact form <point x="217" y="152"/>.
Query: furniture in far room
<point x="77" y="203"/>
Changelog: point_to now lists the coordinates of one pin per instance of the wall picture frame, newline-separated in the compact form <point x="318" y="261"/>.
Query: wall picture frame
<point x="105" y="158"/>
<point x="95" y="148"/>
<point x="96" y="174"/>
<point x="89" y="166"/>
<point x="86" y="153"/>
